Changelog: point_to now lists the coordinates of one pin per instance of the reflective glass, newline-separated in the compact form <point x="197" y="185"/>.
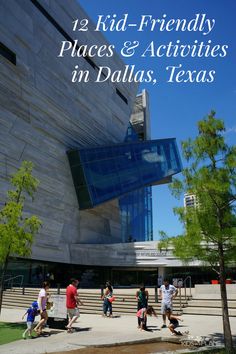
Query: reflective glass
<point x="105" y="173"/>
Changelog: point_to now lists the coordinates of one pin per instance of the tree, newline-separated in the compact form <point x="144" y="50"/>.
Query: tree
<point x="17" y="230"/>
<point x="209" y="228"/>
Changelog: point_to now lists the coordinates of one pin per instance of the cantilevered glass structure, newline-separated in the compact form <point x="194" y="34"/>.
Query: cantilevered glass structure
<point x="104" y="173"/>
<point x="136" y="206"/>
<point x="136" y="215"/>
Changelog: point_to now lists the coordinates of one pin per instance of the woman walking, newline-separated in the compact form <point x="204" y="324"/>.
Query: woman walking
<point x="42" y="304"/>
<point x="107" y="300"/>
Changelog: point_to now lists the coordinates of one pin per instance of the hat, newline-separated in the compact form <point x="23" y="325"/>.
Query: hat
<point x="35" y="304"/>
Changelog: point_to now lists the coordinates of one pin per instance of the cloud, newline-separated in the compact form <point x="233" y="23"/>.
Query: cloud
<point x="231" y="130"/>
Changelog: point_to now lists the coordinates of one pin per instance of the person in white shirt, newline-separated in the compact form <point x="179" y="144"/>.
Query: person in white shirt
<point x="167" y="293"/>
<point x="42" y="303"/>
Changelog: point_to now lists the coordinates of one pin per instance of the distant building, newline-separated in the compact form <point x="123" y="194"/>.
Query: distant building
<point x="190" y="200"/>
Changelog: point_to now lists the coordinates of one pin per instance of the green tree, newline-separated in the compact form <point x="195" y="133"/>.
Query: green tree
<point x="209" y="228"/>
<point x="17" y="230"/>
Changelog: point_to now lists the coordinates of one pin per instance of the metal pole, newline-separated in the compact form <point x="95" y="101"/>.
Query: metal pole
<point x="101" y="290"/>
<point x="58" y="289"/>
<point x="156" y="294"/>
<point x="190" y="283"/>
<point x="180" y="302"/>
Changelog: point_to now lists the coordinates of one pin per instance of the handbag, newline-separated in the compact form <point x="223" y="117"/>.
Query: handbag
<point x="111" y="299"/>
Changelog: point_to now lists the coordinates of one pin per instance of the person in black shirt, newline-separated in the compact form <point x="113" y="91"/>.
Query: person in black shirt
<point x="174" y="322"/>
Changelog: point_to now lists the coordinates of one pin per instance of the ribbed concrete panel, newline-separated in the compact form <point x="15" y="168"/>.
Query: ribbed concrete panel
<point x="43" y="114"/>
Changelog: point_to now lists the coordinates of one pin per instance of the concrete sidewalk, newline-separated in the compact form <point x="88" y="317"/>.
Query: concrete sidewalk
<point x="96" y="330"/>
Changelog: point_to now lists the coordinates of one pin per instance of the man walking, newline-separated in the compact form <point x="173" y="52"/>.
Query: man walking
<point x="72" y="302"/>
<point x="167" y="293"/>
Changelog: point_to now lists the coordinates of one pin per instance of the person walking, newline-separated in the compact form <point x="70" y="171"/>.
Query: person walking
<point x="42" y="304"/>
<point x="31" y="313"/>
<point x="142" y="297"/>
<point x="167" y="293"/>
<point x="72" y="302"/>
<point x="107" y="299"/>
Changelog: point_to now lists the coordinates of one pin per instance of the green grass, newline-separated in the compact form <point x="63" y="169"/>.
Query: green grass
<point x="9" y="332"/>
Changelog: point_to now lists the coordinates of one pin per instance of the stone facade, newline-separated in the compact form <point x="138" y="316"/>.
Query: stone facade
<point x="133" y="254"/>
<point x="43" y="114"/>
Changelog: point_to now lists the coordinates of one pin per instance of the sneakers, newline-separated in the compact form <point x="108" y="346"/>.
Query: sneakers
<point x="178" y="333"/>
<point x="163" y="326"/>
<point x="69" y="329"/>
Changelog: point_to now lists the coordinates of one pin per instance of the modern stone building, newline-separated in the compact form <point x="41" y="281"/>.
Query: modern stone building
<point x="89" y="152"/>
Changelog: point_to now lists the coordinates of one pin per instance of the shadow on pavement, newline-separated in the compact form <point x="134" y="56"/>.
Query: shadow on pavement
<point x="84" y="329"/>
<point x="218" y="337"/>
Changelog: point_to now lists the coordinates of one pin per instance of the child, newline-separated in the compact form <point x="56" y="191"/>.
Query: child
<point x="142" y="316"/>
<point x="174" y="322"/>
<point x="31" y="313"/>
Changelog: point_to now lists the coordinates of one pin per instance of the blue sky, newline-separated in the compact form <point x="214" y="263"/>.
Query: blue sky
<point x="176" y="107"/>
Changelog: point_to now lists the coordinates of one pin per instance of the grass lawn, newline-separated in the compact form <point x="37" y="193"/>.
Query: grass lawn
<point x="10" y="332"/>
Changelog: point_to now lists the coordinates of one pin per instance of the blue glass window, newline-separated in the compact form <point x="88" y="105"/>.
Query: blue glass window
<point x="104" y="173"/>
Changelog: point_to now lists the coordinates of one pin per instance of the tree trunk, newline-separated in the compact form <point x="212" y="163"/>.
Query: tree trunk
<point x="224" y="303"/>
<point x="4" y="269"/>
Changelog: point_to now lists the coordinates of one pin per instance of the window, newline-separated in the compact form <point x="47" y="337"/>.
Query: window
<point x="121" y="96"/>
<point x="7" y="53"/>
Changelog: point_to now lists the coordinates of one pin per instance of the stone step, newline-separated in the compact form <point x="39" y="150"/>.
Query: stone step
<point x="213" y="297"/>
<point x="124" y="300"/>
<point x="86" y="302"/>
<point x="96" y="306"/>
<point x="206" y="311"/>
<point x="124" y="303"/>
<point x="98" y="310"/>
<point x="210" y="303"/>
<point x="126" y="306"/>
<point x="90" y="292"/>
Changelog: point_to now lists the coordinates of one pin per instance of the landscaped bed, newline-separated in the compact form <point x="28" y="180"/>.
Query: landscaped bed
<point x="9" y="332"/>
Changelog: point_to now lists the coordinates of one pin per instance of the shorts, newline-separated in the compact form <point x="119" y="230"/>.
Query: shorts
<point x="141" y="319"/>
<point x="44" y="315"/>
<point x="164" y="307"/>
<point x="29" y="325"/>
<point x="73" y="312"/>
<point x="174" y="325"/>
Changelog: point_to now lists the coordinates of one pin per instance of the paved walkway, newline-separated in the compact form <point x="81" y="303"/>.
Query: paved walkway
<point x="96" y="330"/>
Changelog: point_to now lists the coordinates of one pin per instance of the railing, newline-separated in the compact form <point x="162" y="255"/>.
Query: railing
<point x="14" y="281"/>
<point x="188" y="278"/>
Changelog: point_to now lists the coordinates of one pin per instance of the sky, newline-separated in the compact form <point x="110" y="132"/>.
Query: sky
<point x="176" y="107"/>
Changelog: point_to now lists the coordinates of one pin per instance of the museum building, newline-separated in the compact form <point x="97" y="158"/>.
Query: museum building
<point x="91" y="148"/>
